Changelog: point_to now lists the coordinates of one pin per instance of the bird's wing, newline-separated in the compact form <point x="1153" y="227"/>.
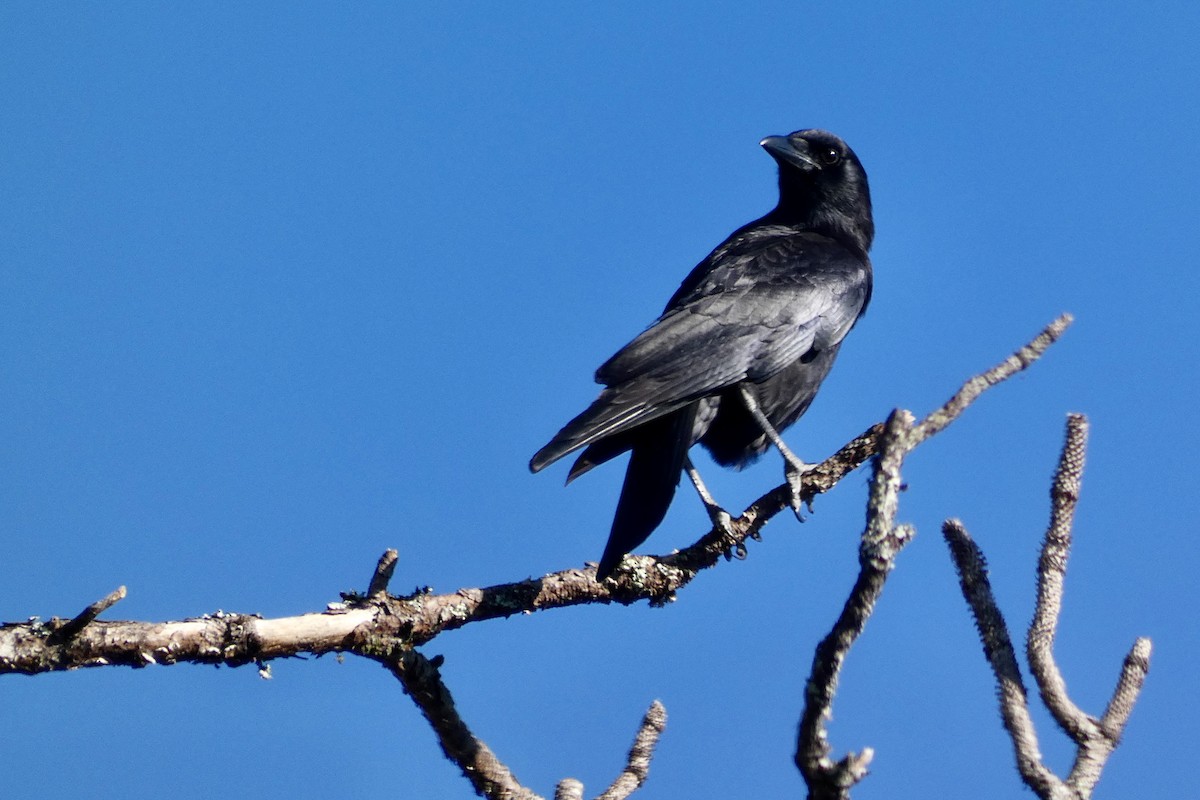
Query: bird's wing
<point x="757" y="307"/>
<point x="761" y="304"/>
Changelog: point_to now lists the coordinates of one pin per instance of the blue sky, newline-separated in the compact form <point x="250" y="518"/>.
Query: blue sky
<point x="283" y="287"/>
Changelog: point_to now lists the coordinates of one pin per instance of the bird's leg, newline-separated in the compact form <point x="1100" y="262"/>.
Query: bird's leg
<point x="719" y="516"/>
<point x="794" y="468"/>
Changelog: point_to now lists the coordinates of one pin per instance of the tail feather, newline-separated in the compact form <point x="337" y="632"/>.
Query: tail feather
<point x="616" y="413"/>
<point x="603" y="417"/>
<point x="600" y="452"/>
<point x="655" y="466"/>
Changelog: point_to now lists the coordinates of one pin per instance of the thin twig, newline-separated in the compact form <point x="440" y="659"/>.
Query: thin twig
<point x="421" y="681"/>
<point x="89" y="614"/>
<point x="1052" y="569"/>
<point x="998" y="648"/>
<point x="973" y="388"/>
<point x="383" y="574"/>
<point x="1129" y="685"/>
<point x="637" y="765"/>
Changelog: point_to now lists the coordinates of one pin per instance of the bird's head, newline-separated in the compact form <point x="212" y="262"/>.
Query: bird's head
<point x="823" y="187"/>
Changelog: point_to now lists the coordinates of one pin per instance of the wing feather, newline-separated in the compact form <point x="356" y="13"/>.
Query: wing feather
<point x="746" y="313"/>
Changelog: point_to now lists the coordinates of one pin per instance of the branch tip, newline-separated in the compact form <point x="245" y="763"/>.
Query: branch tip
<point x="383" y="573"/>
<point x="971" y="390"/>
<point x="89" y="614"/>
<point x="1129" y="686"/>
<point x="637" y="764"/>
<point x="569" y="789"/>
<point x="1051" y="577"/>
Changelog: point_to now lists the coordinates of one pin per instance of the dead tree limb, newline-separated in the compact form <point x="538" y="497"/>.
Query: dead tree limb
<point x="881" y="542"/>
<point x="1095" y="739"/>
<point x="374" y="621"/>
<point x="489" y="776"/>
<point x="388" y="628"/>
<point x="637" y="764"/>
<point x="90" y="614"/>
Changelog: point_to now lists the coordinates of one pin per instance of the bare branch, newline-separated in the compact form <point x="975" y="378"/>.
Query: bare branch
<point x="387" y="628"/>
<point x="973" y="388"/>
<point x="568" y="789"/>
<point x="637" y="765"/>
<point x="383" y="574"/>
<point x="998" y="648"/>
<point x="421" y="681"/>
<point x="1094" y="739"/>
<point x="1052" y="569"/>
<point x="1129" y="685"/>
<point x="89" y="614"/>
<point x="490" y="777"/>
<point x="376" y="622"/>
<point x="1097" y="742"/>
<point x="881" y="543"/>
<point x="230" y="639"/>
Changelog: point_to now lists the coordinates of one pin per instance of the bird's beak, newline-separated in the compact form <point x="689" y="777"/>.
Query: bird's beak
<point x="788" y="151"/>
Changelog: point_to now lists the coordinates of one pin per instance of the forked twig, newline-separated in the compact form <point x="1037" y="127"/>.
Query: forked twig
<point x="1095" y="739"/>
<point x="882" y="541"/>
<point x="489" y="776"/>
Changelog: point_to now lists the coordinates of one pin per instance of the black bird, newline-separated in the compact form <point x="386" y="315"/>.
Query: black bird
<point x="742" y="346"/>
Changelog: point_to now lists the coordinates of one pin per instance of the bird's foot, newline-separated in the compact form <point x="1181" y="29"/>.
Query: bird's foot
<point x="721" y="519"/>
<point x="795" y="470"/>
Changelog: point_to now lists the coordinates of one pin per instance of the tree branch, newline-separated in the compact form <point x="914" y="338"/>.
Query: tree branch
<point x="1052" y="569"/>
<point x="89" y="614"/>
<point x="1129" y="685"/>
<point x="383" y="574"/>
<point x="998" y="649"/>
<point x="637" y="765"/>
<point x="1094" y="739"/>
<point x="882" y="541"/>
<point x="487" y="774"/>
<point x="388" y="628"/>
<point x="970" y="391"/>
<point x="375" y="622"/>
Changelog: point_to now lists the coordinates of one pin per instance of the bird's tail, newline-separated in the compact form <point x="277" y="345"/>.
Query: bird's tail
<point x="609" y="414"/>
<point x="655" y="466"/>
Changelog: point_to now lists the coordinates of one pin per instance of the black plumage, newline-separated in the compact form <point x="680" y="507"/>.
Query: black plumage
<point x="766" y="311"/>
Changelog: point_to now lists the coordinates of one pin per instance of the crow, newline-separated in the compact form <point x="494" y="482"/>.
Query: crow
<point x="741" y="348"/>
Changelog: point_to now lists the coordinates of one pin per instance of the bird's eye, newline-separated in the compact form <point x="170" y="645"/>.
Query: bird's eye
<point x="828" y="156"/>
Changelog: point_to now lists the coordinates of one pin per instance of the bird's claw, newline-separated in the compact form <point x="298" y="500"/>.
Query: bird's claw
<point x="721" y="519"/>
<point x="795" y="472"/>
<point x="737" y="551"/>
